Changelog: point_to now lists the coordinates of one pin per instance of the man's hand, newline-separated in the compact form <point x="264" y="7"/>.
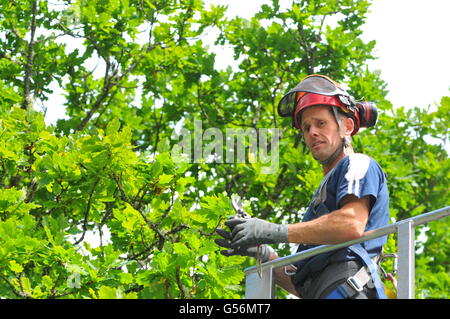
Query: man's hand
<point x="250" y="251"/>
<point x="254" y="231"/>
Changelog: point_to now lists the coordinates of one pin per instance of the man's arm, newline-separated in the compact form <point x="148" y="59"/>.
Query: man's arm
<point x="344" y="224"/>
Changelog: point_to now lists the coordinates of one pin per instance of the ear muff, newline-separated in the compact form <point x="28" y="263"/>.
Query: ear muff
<point x="368" y="114"/>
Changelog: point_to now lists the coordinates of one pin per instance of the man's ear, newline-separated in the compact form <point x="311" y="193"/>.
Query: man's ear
<point x="349" y="126"/>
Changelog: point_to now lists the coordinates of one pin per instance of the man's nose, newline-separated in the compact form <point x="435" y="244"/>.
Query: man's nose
<point x="313" y="131"/>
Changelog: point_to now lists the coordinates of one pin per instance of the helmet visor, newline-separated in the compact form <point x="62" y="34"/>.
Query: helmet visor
<point x="317" y="84"/>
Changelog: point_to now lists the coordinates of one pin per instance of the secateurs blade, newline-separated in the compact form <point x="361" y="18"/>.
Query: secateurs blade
<point x="237" y="206"/>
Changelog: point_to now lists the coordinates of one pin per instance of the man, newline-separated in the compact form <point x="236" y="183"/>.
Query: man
<point x="351" y="199"/>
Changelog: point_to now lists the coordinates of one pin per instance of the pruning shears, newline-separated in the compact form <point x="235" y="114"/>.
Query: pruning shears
<point x="241" y="213"/>
<point x="237" y="205"/>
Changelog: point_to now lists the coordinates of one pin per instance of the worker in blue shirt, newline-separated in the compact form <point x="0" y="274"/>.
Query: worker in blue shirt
<point x="351" y="200"/>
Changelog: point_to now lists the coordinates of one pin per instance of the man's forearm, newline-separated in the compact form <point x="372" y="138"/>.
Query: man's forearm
<point x="344" y="224"/>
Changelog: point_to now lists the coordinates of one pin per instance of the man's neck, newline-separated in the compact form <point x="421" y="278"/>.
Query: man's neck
<point x="347" y="151"/>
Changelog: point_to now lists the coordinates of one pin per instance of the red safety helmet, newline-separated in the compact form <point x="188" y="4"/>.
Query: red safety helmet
<point x="320" y="90"/>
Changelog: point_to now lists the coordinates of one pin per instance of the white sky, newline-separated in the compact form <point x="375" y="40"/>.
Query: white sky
<point x="413" y="46"/>
<point x="413" y="49"/>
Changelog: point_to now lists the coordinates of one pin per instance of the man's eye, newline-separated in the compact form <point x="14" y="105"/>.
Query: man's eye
<point x="321" y="123"/>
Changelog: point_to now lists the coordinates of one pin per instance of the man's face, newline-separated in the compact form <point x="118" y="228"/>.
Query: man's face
<point x="321" y="132"/>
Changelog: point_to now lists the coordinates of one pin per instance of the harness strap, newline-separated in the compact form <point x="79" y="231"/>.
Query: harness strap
<point x="321" y="194"/>
<point x="336" y="294"/>
<point x="362" y="253"/>
<point x="353" y="285"/>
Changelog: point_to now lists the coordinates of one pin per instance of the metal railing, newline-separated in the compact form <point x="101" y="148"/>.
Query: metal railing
<point x="263" y="287"/>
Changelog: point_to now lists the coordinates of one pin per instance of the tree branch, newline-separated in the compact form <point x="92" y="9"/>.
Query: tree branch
<point x="86" y="212"/>
<point x="30" y="57"/>
<point x="179" y="284"/>
<point x="13" y="289"/>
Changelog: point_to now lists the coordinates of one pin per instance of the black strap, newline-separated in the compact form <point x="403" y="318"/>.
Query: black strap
<point x="322" y="283"/>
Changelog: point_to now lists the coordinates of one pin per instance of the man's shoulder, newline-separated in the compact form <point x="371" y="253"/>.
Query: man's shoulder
<point x="357" y="165"/>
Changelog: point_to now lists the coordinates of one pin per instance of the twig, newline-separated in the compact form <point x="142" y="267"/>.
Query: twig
<point x="86" y="212"/>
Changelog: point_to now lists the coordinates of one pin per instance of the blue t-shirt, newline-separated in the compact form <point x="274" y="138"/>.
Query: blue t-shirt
<point x="358" y="175"/>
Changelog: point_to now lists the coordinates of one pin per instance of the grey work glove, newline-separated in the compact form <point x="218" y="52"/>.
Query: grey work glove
<point x="254" y="231"/>
<point x="249" y="251"/>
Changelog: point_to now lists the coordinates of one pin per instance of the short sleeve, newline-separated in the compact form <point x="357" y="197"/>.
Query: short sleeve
<point x="362" y="177"/>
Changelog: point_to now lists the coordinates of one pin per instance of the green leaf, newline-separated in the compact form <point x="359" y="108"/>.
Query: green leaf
<point x="47" y="282"/>
<point x="128" y="216"/>
<point x="181" y="249"/>
<point x="165" y="179"/>
<point x="26" y="285"/>
<point x="15" y="267"/>
<point x="106" y="292"/>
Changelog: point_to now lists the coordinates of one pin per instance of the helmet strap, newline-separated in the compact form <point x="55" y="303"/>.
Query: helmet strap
<point x="330" y="160"/>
